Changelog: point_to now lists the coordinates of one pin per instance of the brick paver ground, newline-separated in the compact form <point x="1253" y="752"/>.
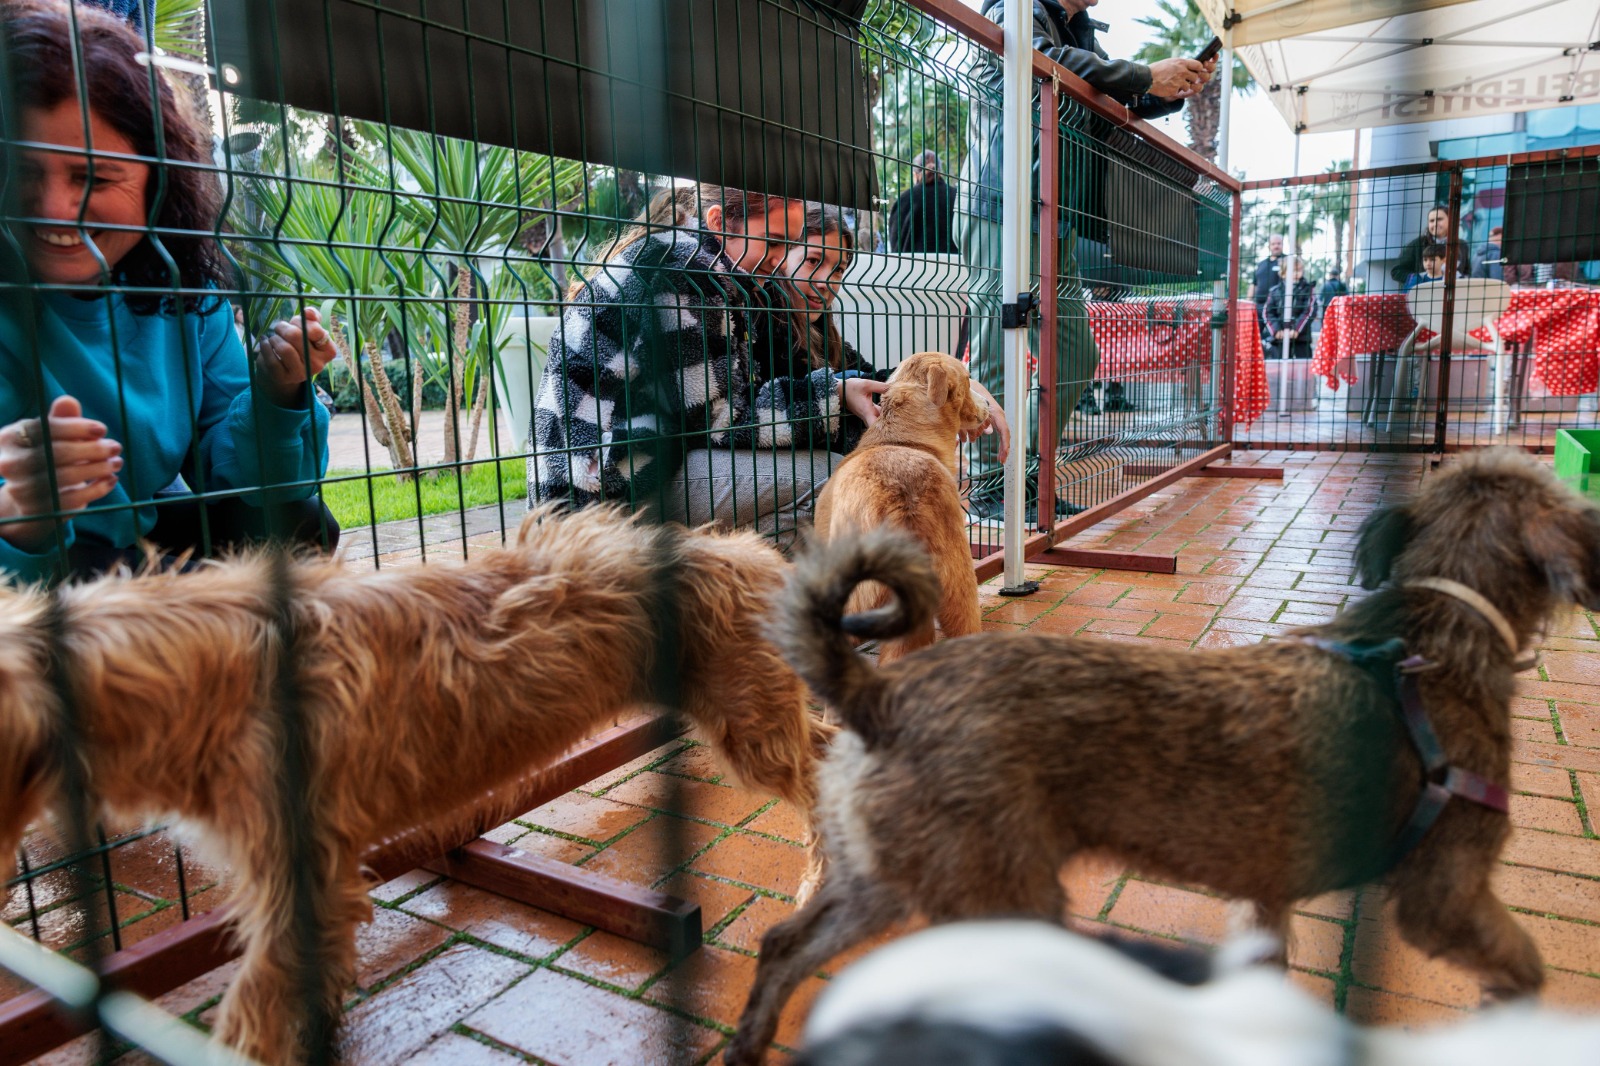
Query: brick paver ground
<point x="452" y="975"/>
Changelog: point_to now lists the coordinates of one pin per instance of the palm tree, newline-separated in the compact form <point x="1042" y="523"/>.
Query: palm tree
<point x="350" y="251"/>
<point x="467" y="204"/>
<point x="1331" y="205"/>
<point x="1182" y="31"/>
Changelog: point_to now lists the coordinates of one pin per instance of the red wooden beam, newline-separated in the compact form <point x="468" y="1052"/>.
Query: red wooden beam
<point x="32" y="1024"/>
<point x="1108" y="560"/>
<point x="1266" y="473"/>
<point x="990" y="565"/>
<point x="585" y="896"/>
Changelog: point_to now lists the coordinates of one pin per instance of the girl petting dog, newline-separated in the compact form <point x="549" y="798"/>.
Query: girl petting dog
<point x="122" y="382"/>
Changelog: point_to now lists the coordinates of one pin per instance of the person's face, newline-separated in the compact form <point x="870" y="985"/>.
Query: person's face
<point x="1438" y="223"/>
<point x="1274" y="246"/>
<point x="1433" y="267"/>
<point x="765" y="240"/>
<point x="814" y="268"/>
<point x="58" y="187"/>
<point x="1299" y="270"/>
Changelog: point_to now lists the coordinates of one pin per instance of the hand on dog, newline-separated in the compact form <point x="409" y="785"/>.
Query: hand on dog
<point x="285" y="353"/>
<point x="996" y="423"/>
<point x="85" y="460"/>
<point x="859" y="401"/>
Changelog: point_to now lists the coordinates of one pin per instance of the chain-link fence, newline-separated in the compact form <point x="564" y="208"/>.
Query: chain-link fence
<point x="1434" y="307"/>
<point x="380" y="276"/>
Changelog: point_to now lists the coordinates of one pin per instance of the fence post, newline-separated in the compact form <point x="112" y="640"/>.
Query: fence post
<point x="1441" y="423"/>
<point x="1049" y="304"/>
<point x="1230" y="339"/>
<point x="1015" y="279"/>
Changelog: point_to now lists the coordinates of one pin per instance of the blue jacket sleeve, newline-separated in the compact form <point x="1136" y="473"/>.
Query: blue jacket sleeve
<point x="244" y="439"/>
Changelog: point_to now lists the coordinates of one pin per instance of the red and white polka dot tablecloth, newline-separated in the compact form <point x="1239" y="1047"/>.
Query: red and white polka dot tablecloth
<point x="1136" y="337"/>
<point x="1563" y="326"/>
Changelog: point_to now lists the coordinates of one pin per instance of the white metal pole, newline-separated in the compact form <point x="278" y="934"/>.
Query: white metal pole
<point x="1224" y="119"/>
<point x="1292" y="256"/>
<point x="1220" y="311"/>
<point x="1015" y="278"/>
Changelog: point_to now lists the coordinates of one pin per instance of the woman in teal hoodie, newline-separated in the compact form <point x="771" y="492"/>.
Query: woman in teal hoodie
<point x="120" y="340"/>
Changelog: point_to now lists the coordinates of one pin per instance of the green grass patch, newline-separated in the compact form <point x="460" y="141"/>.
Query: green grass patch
<point x="444" y="492"/>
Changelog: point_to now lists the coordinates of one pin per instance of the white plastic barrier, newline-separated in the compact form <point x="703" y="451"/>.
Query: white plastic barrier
<point x="892" y="306"/>
<point x="527" y="344"/>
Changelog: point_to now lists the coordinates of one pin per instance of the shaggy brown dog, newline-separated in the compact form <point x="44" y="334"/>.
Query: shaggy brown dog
<point x="969" y="773"/>
<point x="903" y="474"/>
<point x="421" y="688"/>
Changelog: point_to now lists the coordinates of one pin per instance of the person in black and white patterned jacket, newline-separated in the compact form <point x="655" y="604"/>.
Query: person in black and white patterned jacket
<point x="648" y="395"/>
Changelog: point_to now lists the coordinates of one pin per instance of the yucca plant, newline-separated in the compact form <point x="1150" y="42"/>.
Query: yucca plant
<point x="465" y="203"/>
<point x="352" y="252"/>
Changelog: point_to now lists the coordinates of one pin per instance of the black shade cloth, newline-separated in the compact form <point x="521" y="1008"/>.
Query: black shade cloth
<point x="1552" y="212"/>
<point x="767" y="95"/>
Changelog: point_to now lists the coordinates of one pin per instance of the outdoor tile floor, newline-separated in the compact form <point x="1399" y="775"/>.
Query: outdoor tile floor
<point x="452" y="975"/>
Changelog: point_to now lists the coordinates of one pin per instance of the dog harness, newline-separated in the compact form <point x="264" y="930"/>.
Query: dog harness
<point x="1440" y="781"/>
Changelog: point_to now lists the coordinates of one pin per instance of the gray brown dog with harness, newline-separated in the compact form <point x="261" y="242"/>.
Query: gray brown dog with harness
<point x="1377" y="745"/>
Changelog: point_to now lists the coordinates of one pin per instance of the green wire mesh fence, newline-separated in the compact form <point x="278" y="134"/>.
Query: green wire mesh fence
<point x="510" y="253"/>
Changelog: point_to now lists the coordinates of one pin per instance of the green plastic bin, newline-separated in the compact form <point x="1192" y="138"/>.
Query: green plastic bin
<point x="1578" y="459"/>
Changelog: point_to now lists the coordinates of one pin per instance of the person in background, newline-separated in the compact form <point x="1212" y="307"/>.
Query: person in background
<point x="1439" y="228"/>
<point x="806" y="337"/>
<point x="1267" y="274"/>
<point x="1487" y="261"/>
<point x="1065" y="33"/>
<point x="1287" y="316"/>
<point x="1433" y="260"/>
<point x="124" y="387"/>
<point x="922" y="218"/>
<point x="1332" y="288"/>
<point x="649" y="395"/>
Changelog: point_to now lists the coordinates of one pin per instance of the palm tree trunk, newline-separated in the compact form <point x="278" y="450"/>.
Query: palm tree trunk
<point x="384" y="414"/>
<point x="463" y="329"/>
<point x="1204" y="115"/>
<point x="478" y="401"/>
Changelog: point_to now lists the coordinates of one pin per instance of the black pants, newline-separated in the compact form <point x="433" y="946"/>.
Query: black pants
<point x="229" y="524"/>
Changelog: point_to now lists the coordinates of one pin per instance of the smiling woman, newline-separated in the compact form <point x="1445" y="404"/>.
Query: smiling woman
<point x="124" y="390"/>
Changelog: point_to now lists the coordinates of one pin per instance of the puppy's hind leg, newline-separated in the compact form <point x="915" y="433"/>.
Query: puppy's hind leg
<point x="844" y="912"/>
<point x="1469" y="926"/>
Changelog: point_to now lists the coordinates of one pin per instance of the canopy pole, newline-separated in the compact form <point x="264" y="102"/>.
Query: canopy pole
<point x="1224" y="120"/>
<point x="1015" y="281"/>
<point x="1291" y="257"/>
<point x="1221" y="313"/>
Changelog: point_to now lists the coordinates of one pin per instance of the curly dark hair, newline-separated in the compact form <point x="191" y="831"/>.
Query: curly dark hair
<point x="38" y="36"/>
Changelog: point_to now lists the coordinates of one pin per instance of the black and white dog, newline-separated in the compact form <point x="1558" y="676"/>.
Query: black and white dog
<point x="1018" y="993"/>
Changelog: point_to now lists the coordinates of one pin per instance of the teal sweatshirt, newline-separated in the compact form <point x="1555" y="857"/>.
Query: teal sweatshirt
<point x="178" y="399"/>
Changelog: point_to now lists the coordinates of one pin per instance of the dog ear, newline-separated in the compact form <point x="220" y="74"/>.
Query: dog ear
<point x="1384" y="535"/>
<point x="1566" y="545"/>
<point x="940" y="387"/>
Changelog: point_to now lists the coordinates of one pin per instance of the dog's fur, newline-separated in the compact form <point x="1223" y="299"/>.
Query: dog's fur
<point x="1028" y="994"/>
<point x="903" y="474"/>
<point x="422" y="687"/>
<point x="970" y="773"/>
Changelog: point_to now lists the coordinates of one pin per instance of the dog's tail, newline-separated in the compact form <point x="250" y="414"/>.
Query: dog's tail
<point x="813" y="631"/>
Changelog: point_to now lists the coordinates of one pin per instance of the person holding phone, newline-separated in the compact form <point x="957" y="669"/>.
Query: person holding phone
<point x="1064" y="32"/>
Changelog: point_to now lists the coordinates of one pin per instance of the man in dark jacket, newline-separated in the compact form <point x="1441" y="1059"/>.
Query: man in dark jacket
<point x="921" y="218"/>
<point x="1333" y="288"/>
<point x="1064" y="32"/>
<point x="1438" y="232"/>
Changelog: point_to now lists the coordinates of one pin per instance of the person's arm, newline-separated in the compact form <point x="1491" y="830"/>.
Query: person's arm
<point x="246" y="436"/>
<point x="1409" y="263"/>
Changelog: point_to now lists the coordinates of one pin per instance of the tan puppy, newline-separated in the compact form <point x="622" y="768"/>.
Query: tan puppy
<point x="903" y="474"/>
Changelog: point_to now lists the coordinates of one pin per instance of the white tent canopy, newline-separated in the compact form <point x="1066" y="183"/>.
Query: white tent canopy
<point x="1353" y="64"/>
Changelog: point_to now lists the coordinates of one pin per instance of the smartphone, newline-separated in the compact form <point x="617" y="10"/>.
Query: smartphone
<point x="1209" y="51"/>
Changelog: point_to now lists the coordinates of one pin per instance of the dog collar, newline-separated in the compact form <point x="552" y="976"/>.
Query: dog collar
<point x="1474" y="599"/>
